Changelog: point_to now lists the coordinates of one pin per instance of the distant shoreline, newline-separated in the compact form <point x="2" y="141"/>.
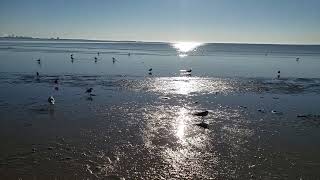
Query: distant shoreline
<point x="134" y="41"/>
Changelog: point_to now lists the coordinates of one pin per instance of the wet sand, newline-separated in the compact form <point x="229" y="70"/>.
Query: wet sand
<point x="142" y="126"/>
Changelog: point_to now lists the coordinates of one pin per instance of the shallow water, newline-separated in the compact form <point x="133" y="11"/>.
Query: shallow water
<point x="142" y="126"/>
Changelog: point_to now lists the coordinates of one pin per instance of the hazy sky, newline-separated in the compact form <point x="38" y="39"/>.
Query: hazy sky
<point x="266" y="21"/>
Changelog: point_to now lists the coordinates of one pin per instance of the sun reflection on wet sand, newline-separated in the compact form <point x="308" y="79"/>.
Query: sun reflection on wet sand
<point x="182" y="118"/>
<point x="189" y="85"/>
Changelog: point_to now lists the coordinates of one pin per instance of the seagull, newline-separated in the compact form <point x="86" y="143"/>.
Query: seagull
<point x="56" y="81"/>
<point x="150" y="70"/>
<point x="113" y="60"/>
<point x="95" y="59"/>
<point x="189" y="71"/>
<point x="38" y="74"/>
<point x="51" y="100"/>
<point x="276" y="112"/>
<point x="297" y="59"/>
<point x="98" y="53"/>
<point x="89" y="90"/>
<point x="278" y="75"/>
<point x="202" y="113"/>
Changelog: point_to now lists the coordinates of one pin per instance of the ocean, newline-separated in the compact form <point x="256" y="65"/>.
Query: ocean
<point x="140" y="124"/>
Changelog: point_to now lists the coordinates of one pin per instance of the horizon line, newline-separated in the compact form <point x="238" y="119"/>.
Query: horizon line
<point x="147" y="41"/>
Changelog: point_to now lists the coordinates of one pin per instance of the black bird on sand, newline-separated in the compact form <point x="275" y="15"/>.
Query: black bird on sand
<point x="89" y="90"/>
<point x="202" y="113"/>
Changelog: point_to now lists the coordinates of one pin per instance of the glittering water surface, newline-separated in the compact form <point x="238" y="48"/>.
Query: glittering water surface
<point x="141" y="126"/>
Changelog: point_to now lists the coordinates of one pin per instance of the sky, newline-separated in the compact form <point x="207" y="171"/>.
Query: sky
<point x="239" y="21"/>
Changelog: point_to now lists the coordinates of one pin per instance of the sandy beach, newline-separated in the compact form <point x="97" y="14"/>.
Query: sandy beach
<point x="137" y="124"/>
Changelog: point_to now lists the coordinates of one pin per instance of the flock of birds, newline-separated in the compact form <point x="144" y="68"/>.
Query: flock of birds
<point x="89" y="91"/>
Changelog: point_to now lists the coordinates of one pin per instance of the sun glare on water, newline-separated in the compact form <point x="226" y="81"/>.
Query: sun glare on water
<point x="184" y="47"/>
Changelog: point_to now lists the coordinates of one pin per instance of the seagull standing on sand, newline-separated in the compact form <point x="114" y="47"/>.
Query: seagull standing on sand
<point x="89" y="91"/>
<point x="51" y="100"/>
<point x="113" y="60"/>
<point x="95" y="59"/>
<point x="72" y="58"/>
<point x="278" y="76"/>
<point x="150" y="71"/>
<point x="202" y="113"/>
<point x="39" y="61"/>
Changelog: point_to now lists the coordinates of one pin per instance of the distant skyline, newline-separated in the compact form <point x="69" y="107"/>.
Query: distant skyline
<point x="237" y="21"/>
